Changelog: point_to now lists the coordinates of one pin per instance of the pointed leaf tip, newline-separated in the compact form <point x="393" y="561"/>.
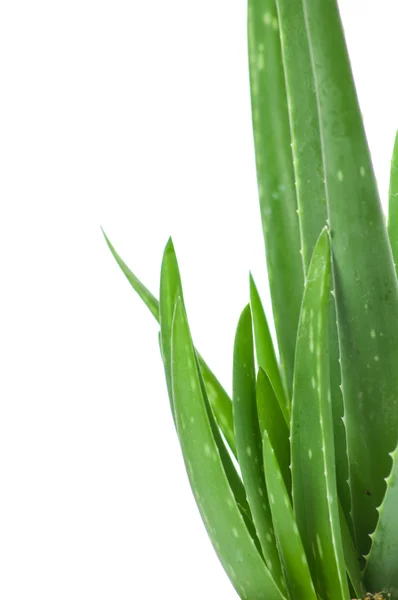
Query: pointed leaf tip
<point x="266" y="357"/>
<point x="169" y="245"/>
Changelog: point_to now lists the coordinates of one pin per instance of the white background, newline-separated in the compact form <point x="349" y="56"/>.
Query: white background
<point x="133" y="115"/>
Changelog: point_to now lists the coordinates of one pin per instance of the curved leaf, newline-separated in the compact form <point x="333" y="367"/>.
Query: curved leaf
<point x="313" y="464"/>
<point x="248" y="442"/>
<point x="216" y="501"/>
<point x="142" y="291"/>
<point x="219" y="399"/>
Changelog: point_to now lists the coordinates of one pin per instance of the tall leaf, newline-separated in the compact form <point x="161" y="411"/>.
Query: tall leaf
<point x="364" y="275"/>
<point x="171" y="292"/>
<point x="220" y="512"/>
<point x="275" y="176"/>
<point x="311" y="193"/>
<point x="248" y="442"/>
<point x="313" y="464"/>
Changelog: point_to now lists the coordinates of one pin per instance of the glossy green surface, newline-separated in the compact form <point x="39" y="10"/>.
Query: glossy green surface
<point x="364" y="274"/>
<point x="220" y="512"/>
<point x="271" y="420"/>
<point x="275" y="176"/>
<point x="170" y="290"/>
<point x="311" y="192"/>
<point x="248" y="442"/>
<point x="219" y="399"/>
<point x="314" y="493"/>
<point x="290" y="546"/>
<point x="265" y="352"/>
<point x="313" y="464"/>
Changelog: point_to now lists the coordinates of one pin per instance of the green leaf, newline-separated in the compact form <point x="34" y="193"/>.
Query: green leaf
<point x="220" y="512"/>
<point x="221" y="404"/>
<point x="304" y="125"/>
<point x="265" y="352"/>
<point x="145" y="295"/>
<point x="275" y="177"/>
<point x="233" y="477"/>
<point x="219" y="399"/>
<point x="311" y="193"/>
<point x="381" y="569"/>
<point x="313" y="465"/>
<point x="365" y="279"/>
<point x="248" y="442"/>
<point x="170" y="290"/>
<point x="393" y="204"/>
<point x="271" y="420"/>
<point x="290" y="546"/>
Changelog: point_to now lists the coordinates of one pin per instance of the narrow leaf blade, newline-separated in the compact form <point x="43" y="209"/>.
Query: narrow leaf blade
<point x="145" y="295"/>
<point x="311" y="193"/>
<point x="216" y="501"/>
<point x="265" y="352"/>
<point x="313" y="464"/>
<point x="275" y="176"/>
<point x="219" y="399"/>
<point x="170" y="290"/>
<point x="271" y="420"/>
<point x="248" y="442"/>
<point x="290" y="546"/>
<point x="221" y="404"/>
<point x="231" y="473"/>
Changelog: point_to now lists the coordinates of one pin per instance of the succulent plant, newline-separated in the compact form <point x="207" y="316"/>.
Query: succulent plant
<point x="309" y="508"/>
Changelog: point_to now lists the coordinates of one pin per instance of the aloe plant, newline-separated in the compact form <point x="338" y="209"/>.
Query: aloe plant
<point x="309" y="508"/>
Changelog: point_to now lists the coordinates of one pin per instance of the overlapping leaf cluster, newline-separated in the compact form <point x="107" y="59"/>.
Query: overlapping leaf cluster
<point x="311" y="512"/>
